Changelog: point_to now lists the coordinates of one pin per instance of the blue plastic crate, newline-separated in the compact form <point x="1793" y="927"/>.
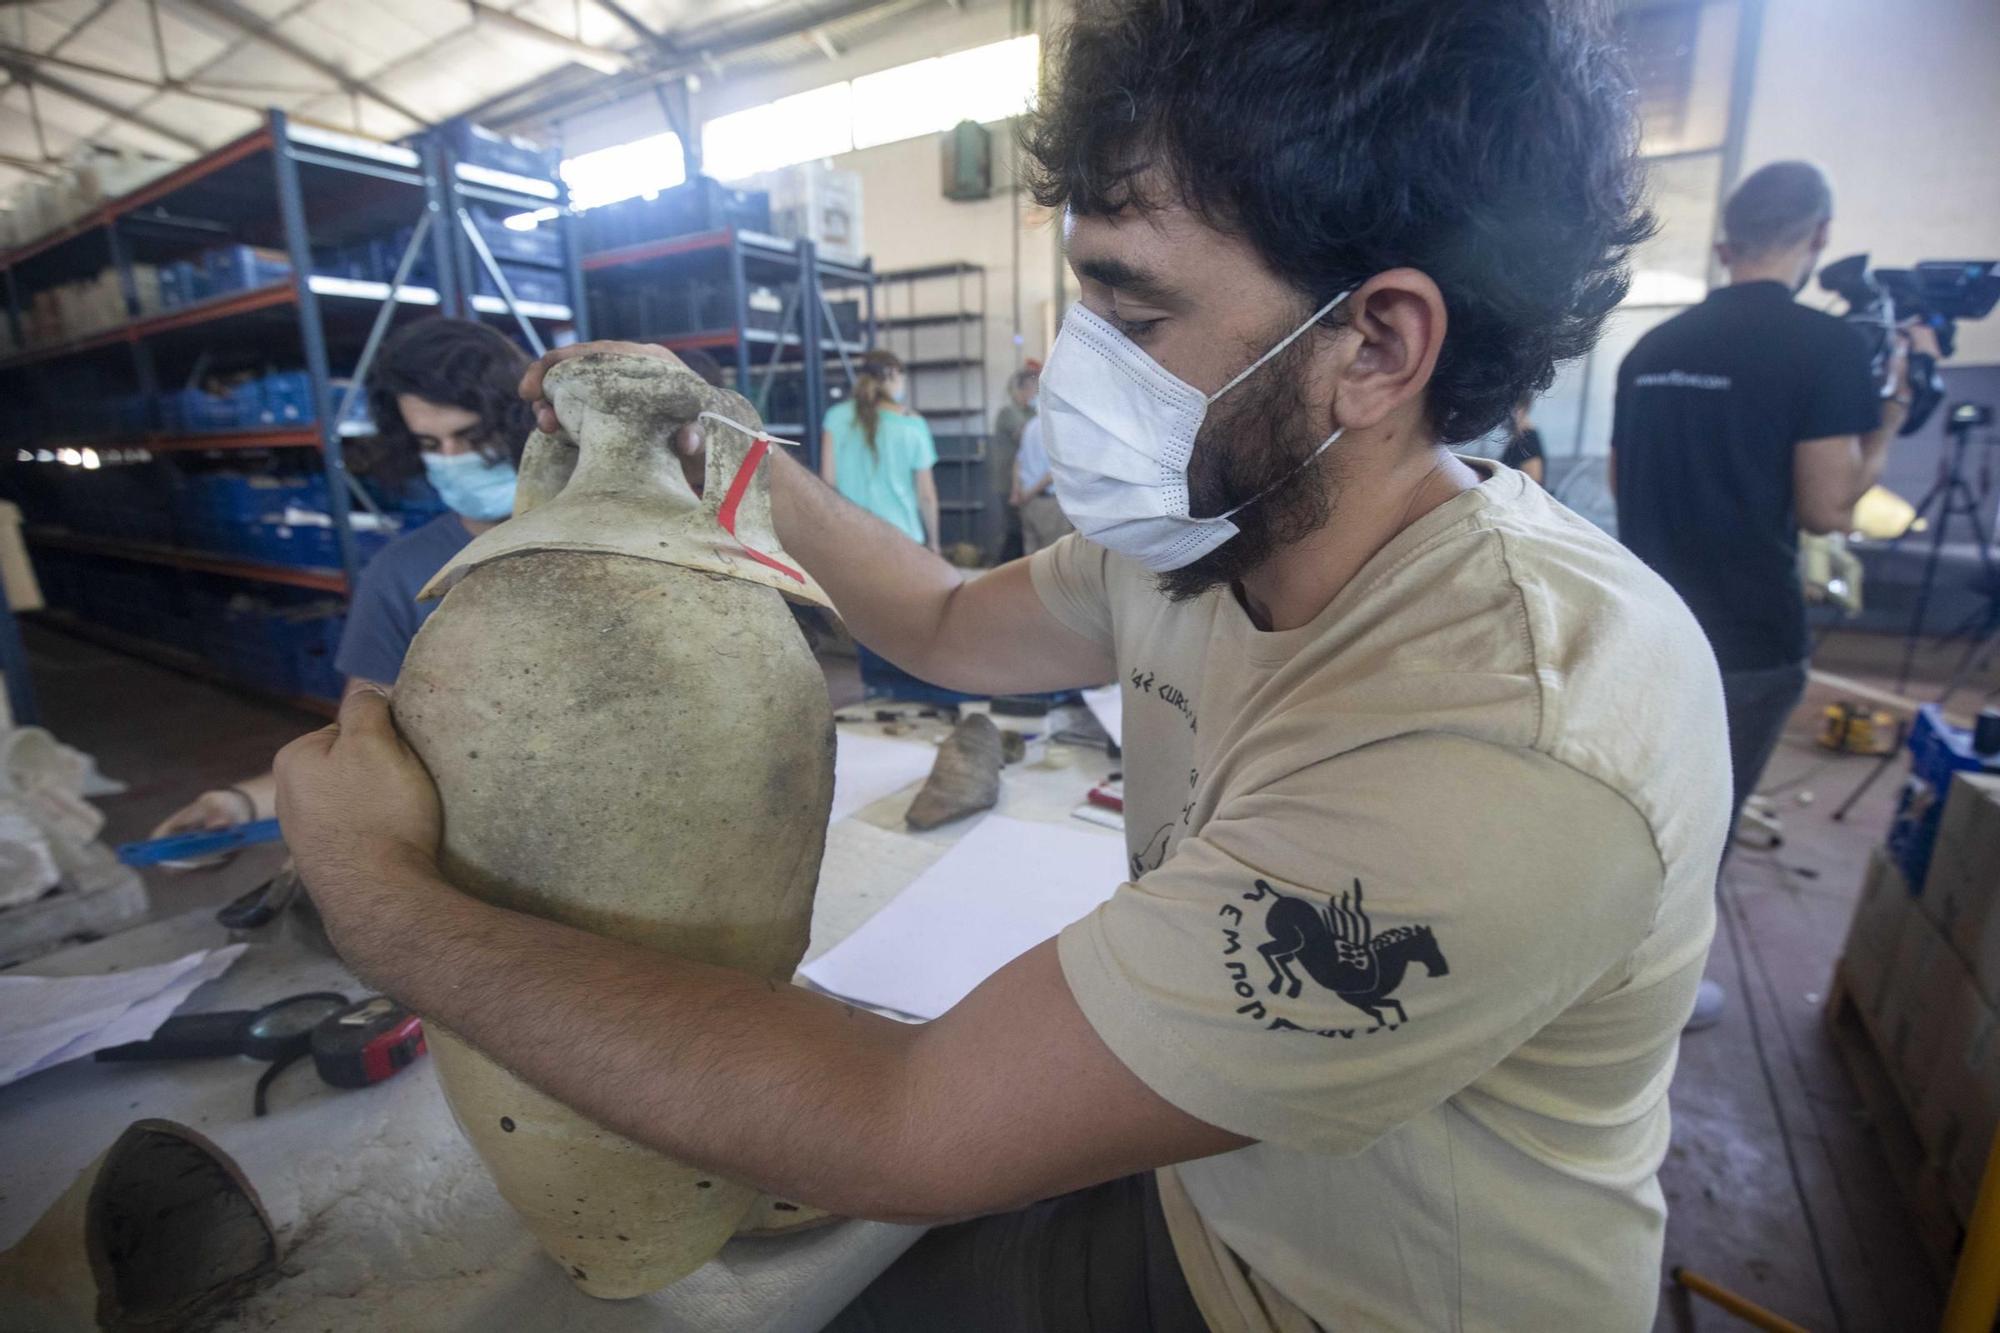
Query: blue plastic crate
<point x="286" y="396"/>
<point x="307" y="545"/>
<point x="135" y="413"/>
<point x="231" y="268"/>
<point x="529" y="283"/>
<point x="388" y="251"/>
<point x="249" y="399"/>
<point x="541" y="244"/>
<point x="1938" y="752"/>
<point x="192" y="411"/>
<point x="482" y="147"/>
<point x="268" y="641"/>
<point x="223" y="512"/>
<point x="182" y="282"/>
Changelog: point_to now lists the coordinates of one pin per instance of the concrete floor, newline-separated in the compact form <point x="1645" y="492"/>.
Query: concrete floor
<point x="1776" y="1186"/>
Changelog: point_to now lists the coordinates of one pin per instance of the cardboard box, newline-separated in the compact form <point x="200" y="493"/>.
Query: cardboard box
<point x="1962" y="1111"/>
<point x="1865" y="973"/>
<point x="1962" y="886"/>
<point x="1911" y="999"/>
<point x="820" y="204"/>
<point x="1872" y="937"/>
<point x="1879" y="911"/>
<point x="1950" y="1016"/>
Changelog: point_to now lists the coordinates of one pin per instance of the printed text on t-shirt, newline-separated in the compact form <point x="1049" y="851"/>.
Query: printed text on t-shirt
<point x="1172" y="695"/>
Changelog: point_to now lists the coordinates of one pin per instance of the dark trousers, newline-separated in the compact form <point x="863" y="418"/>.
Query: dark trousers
<point x="1758" y="703"/>
<point x="1095" y="1261"/>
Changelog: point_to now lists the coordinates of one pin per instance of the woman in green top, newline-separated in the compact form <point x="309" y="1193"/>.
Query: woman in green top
<point x="879" y="454"/>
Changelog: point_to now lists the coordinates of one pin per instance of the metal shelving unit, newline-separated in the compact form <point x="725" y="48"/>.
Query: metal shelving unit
<point x="944" y="352"/>
<point x="644" y="289"/>
<point x="296" y="576"/>
<point x="287" y="186"/>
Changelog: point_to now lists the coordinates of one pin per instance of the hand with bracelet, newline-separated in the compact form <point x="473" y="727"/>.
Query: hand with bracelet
<point x="223" y="807"/>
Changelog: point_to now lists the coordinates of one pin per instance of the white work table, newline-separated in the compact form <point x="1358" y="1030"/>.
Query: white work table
<point x="386" y="1219"/>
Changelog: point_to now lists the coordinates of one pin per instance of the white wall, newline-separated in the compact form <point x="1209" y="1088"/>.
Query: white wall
<point x="1899" y="100"/>
<point x="909" y="224"/>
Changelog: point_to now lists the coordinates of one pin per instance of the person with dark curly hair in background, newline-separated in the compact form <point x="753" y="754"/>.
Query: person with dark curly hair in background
<point x="1426" y="778"/>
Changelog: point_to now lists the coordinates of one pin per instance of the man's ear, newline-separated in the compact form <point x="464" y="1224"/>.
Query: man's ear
<point x="1395" y="329"/>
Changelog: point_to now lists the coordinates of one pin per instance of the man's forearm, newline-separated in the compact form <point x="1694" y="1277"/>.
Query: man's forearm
<point x="893" y="593"/>
<point x="759" y="1081"/>
<point x="1875" y="447"/>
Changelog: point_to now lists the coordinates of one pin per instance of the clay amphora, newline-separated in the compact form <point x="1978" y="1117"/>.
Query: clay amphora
<point x="629" y="735"/>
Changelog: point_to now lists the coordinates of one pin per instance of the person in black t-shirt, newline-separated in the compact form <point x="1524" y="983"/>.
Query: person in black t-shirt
<point x="1524" y="450"/>
<point x="1737" y="423"/>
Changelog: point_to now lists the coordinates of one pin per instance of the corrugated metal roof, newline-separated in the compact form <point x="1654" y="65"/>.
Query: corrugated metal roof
<point x="80" y="72"/>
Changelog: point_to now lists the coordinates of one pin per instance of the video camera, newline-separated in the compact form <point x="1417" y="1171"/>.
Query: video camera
<point x="1937" y="293"/>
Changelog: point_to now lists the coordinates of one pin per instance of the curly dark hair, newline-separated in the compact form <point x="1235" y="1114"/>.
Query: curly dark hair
<point x="1488" y="143"/>
<point x="455" y="363"/>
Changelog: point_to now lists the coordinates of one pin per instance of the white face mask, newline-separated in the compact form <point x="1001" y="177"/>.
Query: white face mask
<point x="1119" y="430"/>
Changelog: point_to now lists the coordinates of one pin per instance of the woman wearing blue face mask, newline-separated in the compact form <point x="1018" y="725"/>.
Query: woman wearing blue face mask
<point x="878" y="453"/>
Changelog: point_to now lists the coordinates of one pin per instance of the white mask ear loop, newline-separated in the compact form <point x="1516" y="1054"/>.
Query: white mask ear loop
<point x="1290" y="338"/>
<point x="764" y="435"/>
<point x="1324" y="445"/>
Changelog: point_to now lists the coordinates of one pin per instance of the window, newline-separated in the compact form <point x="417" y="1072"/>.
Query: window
<point x="984" y="84"/>
<point x="800" y="128"/>
<point x="643" y="166"/>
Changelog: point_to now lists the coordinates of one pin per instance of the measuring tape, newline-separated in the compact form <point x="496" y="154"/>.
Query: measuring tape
<point x="366" y="1042"/>
<point x="353" y="1043"/>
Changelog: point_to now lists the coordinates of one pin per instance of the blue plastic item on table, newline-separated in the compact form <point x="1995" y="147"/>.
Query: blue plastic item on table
<point x="193" y="846"/>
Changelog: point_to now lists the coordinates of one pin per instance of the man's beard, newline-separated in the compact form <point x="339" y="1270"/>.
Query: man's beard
<point x="1256" y="437"/>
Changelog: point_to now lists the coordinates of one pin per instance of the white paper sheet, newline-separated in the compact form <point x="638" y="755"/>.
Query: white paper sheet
<point x="867" y="768"/>
<point x="1107" y="705"/>
<point x="45" y="1021"/>
<point x="1003" y="888"/>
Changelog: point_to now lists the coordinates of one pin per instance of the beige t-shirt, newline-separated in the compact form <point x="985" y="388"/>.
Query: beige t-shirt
<point x="1421" y="894"/>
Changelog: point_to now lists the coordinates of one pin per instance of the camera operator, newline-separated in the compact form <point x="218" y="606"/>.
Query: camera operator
<point x="1739" y="422"/>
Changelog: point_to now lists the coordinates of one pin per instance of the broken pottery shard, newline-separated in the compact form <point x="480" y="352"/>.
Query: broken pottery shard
<point x="628" y="735"/>
<point x="964" y="780"/>
<point x="160" y="1229"/>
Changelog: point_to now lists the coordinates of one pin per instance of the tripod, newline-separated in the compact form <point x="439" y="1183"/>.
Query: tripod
<point x="1954" y="495"/>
